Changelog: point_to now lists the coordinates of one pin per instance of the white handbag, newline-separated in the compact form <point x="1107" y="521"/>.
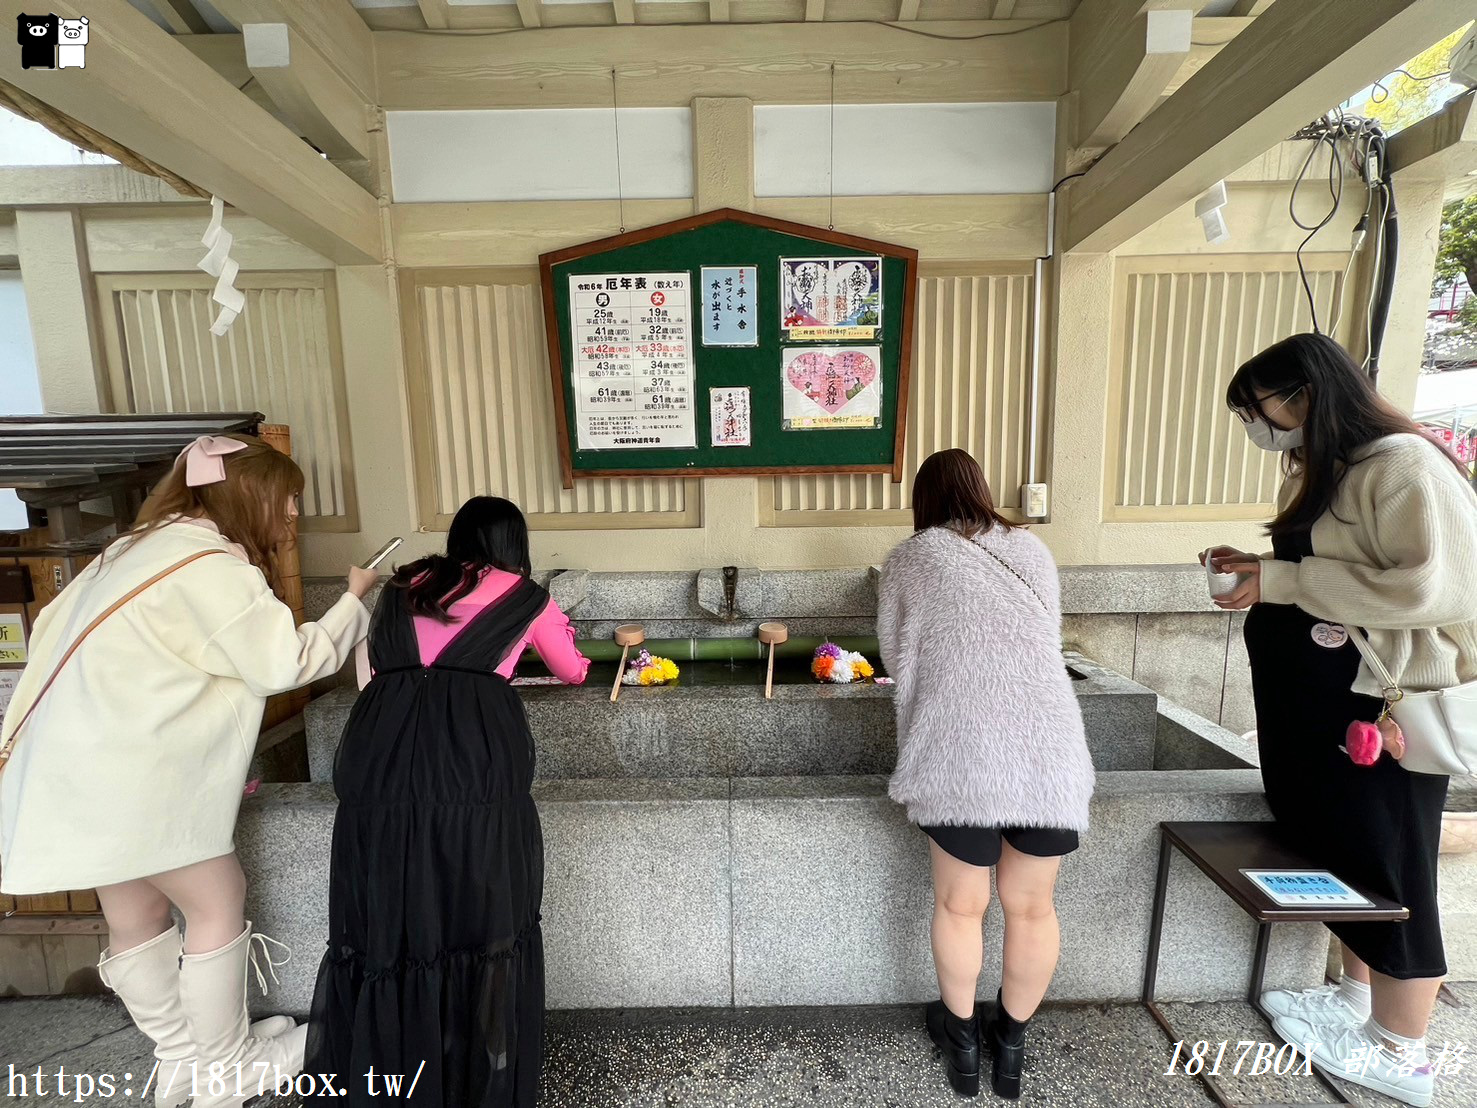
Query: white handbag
<point x="1440" y="727"/>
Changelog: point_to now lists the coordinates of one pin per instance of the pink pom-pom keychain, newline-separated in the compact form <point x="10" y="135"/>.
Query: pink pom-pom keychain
<point x="1364" y="742"/>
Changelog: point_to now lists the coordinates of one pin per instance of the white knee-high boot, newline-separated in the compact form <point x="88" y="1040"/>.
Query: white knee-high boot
<point x="146" y="978"/>
<point x="233" y="1063"/>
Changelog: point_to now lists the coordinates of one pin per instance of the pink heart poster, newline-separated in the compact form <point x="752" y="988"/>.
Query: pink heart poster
<point x="832" y="387"/>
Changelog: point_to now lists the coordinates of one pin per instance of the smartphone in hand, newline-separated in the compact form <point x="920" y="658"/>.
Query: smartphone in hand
<point x="383" y="552"/>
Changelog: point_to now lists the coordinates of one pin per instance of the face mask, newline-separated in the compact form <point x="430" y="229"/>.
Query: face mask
<point x="1264" y="434"/>
<point x="1273" y="438"/>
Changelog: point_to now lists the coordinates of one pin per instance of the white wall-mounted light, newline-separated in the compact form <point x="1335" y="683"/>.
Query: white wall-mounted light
<point x="1210" y="208"/>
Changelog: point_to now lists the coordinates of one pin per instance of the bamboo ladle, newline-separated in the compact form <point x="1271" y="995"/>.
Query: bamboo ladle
<point x="627" y="635"/>
<point x="772" y="634"/>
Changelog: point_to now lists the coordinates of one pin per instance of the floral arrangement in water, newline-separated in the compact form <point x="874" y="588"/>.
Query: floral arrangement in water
<point x="647" y="669"/>
<point x="839" y="667"/>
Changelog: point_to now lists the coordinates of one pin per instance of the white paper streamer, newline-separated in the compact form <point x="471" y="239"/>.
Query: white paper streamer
<point x="220" y="265"/>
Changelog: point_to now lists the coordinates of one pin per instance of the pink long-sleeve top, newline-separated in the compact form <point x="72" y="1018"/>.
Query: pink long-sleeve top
<point x="551" y="633"/>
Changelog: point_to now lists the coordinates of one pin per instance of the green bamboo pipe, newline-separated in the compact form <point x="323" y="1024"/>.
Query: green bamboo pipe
<point x="726" y="649"/>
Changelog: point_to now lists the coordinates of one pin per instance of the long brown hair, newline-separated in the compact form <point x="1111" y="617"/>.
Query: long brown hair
<point x="249" y="506"/>
<point x="951" y="491"/>
<point x="1345" y="413"/>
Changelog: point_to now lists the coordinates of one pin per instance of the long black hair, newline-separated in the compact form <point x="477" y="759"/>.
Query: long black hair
<point x="487" y="532"/>
<point x="1345" y="413"/>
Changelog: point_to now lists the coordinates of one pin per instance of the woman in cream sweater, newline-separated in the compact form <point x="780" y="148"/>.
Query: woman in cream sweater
<point x="125" y="771"/>
<point x="1376" y="529"/>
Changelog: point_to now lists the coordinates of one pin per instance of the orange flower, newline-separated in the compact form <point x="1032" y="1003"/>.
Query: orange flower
<point x="822" y="667"/>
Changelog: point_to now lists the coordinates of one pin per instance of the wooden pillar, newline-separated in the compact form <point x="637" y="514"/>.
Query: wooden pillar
<point x="1419" y="204"/>
<point x="60" y="298"/>
<point x="723" y="177"/>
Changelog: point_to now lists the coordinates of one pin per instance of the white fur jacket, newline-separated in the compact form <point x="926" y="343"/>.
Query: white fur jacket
<point x="989" y="732"/>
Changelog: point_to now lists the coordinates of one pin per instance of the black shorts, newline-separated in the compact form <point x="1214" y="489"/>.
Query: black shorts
<point x="981" y="846"/>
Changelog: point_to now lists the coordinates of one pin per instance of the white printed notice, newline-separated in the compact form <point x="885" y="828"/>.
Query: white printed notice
<point x="731" y="422"/>
<point x="632" y="361"/>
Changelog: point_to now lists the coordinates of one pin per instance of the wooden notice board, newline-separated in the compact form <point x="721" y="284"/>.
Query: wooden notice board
<point x="655" y="335"/>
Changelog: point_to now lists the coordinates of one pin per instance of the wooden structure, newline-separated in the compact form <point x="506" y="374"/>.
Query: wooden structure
<point x="733" y="239"/>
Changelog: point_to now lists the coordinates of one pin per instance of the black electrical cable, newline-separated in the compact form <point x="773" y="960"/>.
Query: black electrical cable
<point x="1390" y="229"/>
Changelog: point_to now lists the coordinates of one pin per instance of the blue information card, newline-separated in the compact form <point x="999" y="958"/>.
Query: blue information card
<point x="728" y="298"/>
<point x="1291" y="888"/>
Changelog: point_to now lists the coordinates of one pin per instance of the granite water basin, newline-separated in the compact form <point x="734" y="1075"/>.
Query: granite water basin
<point x="716" y="722"/>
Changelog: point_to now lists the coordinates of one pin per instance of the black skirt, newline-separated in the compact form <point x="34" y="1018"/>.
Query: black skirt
<point x="434" y="950"/>
<point x="1376" y="826"/>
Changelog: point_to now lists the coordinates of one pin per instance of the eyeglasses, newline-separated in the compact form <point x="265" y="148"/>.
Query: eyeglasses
<point x="1251" y="415"/>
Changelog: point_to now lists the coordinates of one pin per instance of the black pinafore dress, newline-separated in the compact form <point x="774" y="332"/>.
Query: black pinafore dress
<point x="434" y="949"/>
<point x="1378" y="826"/>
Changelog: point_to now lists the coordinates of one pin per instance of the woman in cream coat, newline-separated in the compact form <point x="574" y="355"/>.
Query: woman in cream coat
<point x="1376" y="530"/>
<point x="126" y="773"/>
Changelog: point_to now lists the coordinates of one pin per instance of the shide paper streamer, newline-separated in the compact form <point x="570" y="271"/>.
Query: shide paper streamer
<point x="220" y="265"/>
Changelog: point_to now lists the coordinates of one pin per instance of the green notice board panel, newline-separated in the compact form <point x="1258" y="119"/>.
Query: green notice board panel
<point x="817" y="326"/>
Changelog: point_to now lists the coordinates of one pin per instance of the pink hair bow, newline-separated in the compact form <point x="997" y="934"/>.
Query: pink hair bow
<point x="205" y="459"/>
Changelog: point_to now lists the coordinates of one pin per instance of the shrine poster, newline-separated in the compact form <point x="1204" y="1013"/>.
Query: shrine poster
<point x="830" y="299"/>
<point x="632" y="361"/>
<point x="832" y="388"/>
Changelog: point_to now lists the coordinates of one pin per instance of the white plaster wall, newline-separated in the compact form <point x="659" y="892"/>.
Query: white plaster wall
<point x="903" y="149"/>
<point x="532" y="154"/>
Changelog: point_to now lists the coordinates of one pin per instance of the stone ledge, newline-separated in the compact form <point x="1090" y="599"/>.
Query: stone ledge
<point x="698" y="598"/>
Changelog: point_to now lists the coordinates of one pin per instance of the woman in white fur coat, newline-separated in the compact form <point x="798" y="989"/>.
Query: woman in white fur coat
<point x="127" y="746"/>
<point x="992" y="758"/>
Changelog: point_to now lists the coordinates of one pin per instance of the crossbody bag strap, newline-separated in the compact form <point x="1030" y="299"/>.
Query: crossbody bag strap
<point x="78" y="641"/>
<point x="1010" y="568"/>
<point x="1390" y="686"/>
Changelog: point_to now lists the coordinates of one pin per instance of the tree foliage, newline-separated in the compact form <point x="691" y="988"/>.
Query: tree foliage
<point x="1457" y="256"/>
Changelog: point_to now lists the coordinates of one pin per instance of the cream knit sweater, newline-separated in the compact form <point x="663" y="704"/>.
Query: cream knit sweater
<point x="1396" y="556"/>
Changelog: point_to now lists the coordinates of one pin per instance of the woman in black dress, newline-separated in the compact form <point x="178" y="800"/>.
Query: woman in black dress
<point x="1377" y="529"/>
<point x="434" y="951"/>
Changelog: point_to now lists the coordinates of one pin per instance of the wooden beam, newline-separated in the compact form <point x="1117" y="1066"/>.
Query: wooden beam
<point x="815" y="10"/>
<point x="907" y="10"/>
<point x="667" y="66"/>
<point x="531" y="12"/>
<point x="182" y="17"/>
<point x="1208" y="36"/>
<point x="333" y="27"/>
<point x="718" y="11"/>
<point x="1131" y="75"/>
<point x="625" y="10"/>
<point x="951" y="228"/>
<point x="436" y="13"/>
<point x="1004" y="9"/>
<point x="1441" y="147"/>
<point x="1288" y="67"/>
<point x="146" y="91"/>
<point x="308" y="90"/>
<point x="1250" y="7"/>
<point x="48" y="186"/>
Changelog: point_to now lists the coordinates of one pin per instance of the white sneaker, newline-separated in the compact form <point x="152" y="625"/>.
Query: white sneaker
<point x="1350" y="1054"/>
<point x="1321" y="1004"/>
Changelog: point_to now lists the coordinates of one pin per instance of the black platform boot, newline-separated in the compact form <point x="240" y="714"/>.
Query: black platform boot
<point x="1005" y="1038"/>
<point x="960" y="1041"/>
